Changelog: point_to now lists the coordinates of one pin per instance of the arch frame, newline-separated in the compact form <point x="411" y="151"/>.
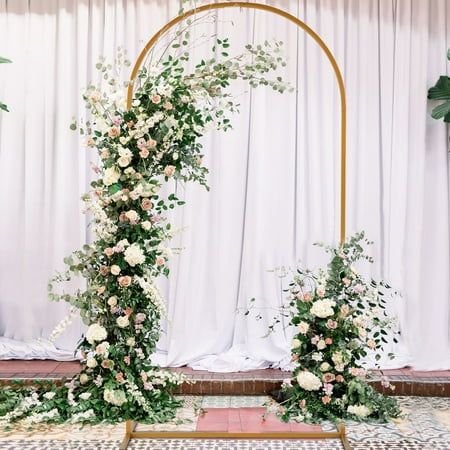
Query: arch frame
<point x="340" y="433"/>
<point x="320" y="42"/>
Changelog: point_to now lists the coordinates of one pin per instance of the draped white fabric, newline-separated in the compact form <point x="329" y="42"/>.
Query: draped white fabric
<point x="274" y="178"/>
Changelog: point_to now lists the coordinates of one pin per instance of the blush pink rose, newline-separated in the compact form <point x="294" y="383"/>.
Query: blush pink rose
<point x="326" y="399"/>
<point x="146" y="204"/>
<point x="328" y="341"/>
<point x="144" y="153"/>
<point x="104" y="270"/>
<point x="328" y="377"/>
<point x="156" y="99"/>
<point x="169" y="171"/>
<point x="160" y="261"/>
<point x="114" y="132"/>
<point x="151" y="143"/>
<point x="108" y="251"/>
<point x="331" y="324"/>
<point x="124" y="281"/>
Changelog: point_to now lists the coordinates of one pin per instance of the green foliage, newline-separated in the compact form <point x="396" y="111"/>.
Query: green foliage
<point x="141" y="149"/>
<point x="441" y="91"/>
<point x="340" y="319"/>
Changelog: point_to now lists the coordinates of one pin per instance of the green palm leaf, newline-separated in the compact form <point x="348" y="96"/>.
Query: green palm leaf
<point x="441" y="91"/>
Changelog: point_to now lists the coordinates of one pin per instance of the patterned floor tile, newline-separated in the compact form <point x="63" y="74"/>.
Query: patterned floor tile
<point x="180" y="444"/>
<point x="234" y="401"/>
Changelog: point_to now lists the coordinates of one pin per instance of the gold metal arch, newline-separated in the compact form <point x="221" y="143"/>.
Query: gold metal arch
<point x="130" y="426"/>
<point x="310" y="32"/>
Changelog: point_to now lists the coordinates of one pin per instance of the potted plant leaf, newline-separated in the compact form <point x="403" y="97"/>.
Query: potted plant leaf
<point x="441" y="91"/>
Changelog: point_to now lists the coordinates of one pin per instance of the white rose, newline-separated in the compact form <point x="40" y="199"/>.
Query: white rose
<point x="324" y="367"/>
<point x="131" y="341"/>
<point x="146" y="225"/>
<point x="110" y="176"/>
<point x="91" y="363"/>
<point x="115" y="270"/>
<point x="317" y="356"/>
<point x="303" y="327"/>
<point x="85" y="396"/>
<point x="122" y="321"/>
<point x="296" y="343"/>
<point x="308" y="381"/>
<point x="84" y="378"/>
<point x="359" y="410"/>
<point x="123" y="161"/>
<point x="323" y="308"/>
<point x="132" y="215"/>
<point x="112" y="301"/>
<point x="134" y="255"/>
<point x="125" y="152"/>
<point x="49" y="395"/>
<point x="321" y="344"/>
<point x="96" y="332"/>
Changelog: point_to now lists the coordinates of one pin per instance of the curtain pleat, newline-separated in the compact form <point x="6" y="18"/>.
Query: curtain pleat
<point x="274" y="177"/>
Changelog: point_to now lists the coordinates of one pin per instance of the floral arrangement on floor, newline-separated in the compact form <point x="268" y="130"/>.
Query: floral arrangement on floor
<point x="140" y="149"/>
<point x="340" y="318"/>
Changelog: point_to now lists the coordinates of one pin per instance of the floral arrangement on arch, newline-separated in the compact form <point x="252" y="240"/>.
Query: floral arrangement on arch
<point x="140" y="149"/>
<point x="340" y="318"/>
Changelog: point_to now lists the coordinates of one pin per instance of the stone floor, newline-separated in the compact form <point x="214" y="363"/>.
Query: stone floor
<point x="406" y="381"/>
<point x="425" y="425"/>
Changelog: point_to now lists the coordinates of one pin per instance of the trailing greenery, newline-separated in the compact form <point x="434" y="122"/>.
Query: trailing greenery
<point x="140" y="149"/>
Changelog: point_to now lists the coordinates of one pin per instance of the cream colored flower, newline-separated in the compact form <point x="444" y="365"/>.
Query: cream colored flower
<point x="296" y="343"/>
<point x="91" y="363"/>
<point x="132" y="215"/>
<point x="308" y="381"/>
<point x="112" y="301"/>
<point x="359" y="410"/>
<point x="115" y="397"/>
<point x="96" y="332"/>
<point x="111" y="176"/>
<point x="323" y="308"/>
<point x="123" y="321"/>
<point x="303" y="327"/>
<point x="134" y="255"/>
<point x="115" y="270"/>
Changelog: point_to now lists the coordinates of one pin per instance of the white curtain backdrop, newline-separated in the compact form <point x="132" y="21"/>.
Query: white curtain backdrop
<point x="274" y="178"/>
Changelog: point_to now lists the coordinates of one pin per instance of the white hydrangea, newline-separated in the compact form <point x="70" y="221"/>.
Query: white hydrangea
<point x="323" y="308"/>
<point x="111" y="176"/>
<point x="115" y="397"/>
<point x="134" y="255"/>
<point x="96" y="332"/>
<point x="308" y="381"/>
<point x="359" y="410"/>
